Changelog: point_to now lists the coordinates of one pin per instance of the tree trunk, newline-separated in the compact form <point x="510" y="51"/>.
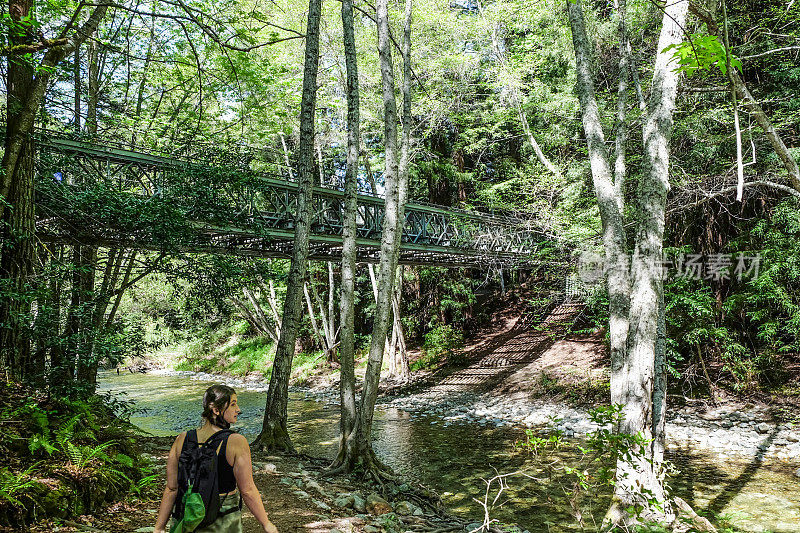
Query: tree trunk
<point x="610" y="203"/>
<point x="274" y="434"/>
<point x="643" y="473"/>
<point x="86" y="360"/>
<point x="347" y="385"/>
<point x="401" y="365"/>
<point x="16" y="263"/>
<point x="635" y="299"/>
<point x="362" y="451"/>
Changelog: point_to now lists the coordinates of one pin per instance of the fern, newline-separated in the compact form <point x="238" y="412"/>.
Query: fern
<point x="12" y="484"/>
<point x="41" y="441"/>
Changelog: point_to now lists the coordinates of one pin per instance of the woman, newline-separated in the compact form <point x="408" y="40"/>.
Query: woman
<point x="220" y="410"/>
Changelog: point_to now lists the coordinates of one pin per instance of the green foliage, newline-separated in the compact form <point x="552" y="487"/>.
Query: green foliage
<point x="441" y="343"/>
<point x="592" y="474"/>
<point x="702" y="52"/>
<point x="13" y="485"/>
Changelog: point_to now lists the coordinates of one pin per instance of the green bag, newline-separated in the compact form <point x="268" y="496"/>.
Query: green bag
<point x="194" y="510"/>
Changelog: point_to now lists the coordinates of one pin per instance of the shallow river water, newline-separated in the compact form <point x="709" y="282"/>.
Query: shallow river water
<point x="453" y="459"/>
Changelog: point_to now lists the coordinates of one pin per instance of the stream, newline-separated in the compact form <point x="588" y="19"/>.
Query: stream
<point x="452" y="459"/>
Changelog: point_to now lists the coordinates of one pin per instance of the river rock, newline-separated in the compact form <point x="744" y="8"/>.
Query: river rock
<point x="793" y="437"/>
<point x="763" y="427"/>
<point x="377" y="506"/>
<point x="797" y="473"/>
<point x="322" y="505"/>
<point x="311" y="484"/>
<point x="147" y="529"/>
<point x="344" y="501"/>
<point x="405" y="508"/>
<point x="359" y="503"/>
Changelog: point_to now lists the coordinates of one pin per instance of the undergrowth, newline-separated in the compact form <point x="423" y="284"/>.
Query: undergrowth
<point x="64" y="457"/>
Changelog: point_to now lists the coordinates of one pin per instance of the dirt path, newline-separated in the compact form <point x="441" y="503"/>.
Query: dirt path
<point x="296" y="495"/>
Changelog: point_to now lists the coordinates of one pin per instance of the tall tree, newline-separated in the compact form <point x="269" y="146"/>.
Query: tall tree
<point x="274" y="433"/>
<point x="349" y="250"/>
<point x="26" y="84"/>
<point x="360" y="451"/>
<point x="635" y="284"/>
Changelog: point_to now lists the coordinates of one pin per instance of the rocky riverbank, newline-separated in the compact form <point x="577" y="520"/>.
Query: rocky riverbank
<point x="740" y="431"/>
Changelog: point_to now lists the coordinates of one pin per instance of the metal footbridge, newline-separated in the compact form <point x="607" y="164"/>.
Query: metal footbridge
<point x="241" y="202"/>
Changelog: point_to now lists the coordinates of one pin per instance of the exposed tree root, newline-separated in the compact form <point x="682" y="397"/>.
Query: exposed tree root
<point x="274" y="438"/>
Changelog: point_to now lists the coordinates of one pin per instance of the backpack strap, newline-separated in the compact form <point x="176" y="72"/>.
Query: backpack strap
<point x="215" y="438"/>
<point x="191" y="438"/>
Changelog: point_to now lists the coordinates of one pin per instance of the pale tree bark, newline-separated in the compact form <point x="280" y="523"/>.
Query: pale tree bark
<point x="313" y="317"/>
<point x="274" y="433"/>
<point x="609" y="202"/>
<point x="254" y="314"/>
<point x="516" y="99"/>
<point x="399" y="354"/>
<point x="647" y="283"/>
<point x="399" y="351"/>
<point x="324" y="328"/>
<point x="272" y="300"/>
<point x="348" y="416"/>
<point x="637" y="353"/>
<point x="362" y="451"/>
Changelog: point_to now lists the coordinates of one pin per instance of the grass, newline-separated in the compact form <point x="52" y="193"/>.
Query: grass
<point x="226" y="350"/>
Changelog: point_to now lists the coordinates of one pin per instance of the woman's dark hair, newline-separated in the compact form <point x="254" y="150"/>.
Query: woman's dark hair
<point x="217" y="397"/>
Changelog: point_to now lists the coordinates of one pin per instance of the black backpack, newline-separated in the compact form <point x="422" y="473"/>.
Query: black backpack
<point x="198" y="467"/>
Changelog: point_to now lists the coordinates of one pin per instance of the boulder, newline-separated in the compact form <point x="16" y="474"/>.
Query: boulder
<point x="377" y="506"/>
<point x="763" y="427"/>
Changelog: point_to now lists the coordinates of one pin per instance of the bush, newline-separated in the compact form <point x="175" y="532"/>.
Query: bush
<point x="442" y="343"/>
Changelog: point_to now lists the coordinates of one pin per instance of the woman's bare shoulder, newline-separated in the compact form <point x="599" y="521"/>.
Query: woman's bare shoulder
<point x="238" y="440"/>
<point x="178" y="444"/>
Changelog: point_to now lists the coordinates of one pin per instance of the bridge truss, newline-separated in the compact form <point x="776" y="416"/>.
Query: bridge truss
<point x="109" y="195"/>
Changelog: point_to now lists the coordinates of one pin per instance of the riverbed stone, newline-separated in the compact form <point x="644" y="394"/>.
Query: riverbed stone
<point x="359" y="502"/>
<point x="763" y="427"/>
<point x="797" y="473"/>
<point x="344" y="501"/>
<point x="322" y="505"/>
<point x="377" y="506"/>
<point x="405" y="508"/>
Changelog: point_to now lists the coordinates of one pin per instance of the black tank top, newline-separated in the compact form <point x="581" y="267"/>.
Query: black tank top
<point x="227" y="481"/>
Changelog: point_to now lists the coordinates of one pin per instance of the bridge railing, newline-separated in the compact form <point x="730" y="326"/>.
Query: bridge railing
<point x="110" y="194"/>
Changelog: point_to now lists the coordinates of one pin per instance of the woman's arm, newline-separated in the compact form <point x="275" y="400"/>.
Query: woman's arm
<point x="238" y="454"/>
<point x="171" y="490"/>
